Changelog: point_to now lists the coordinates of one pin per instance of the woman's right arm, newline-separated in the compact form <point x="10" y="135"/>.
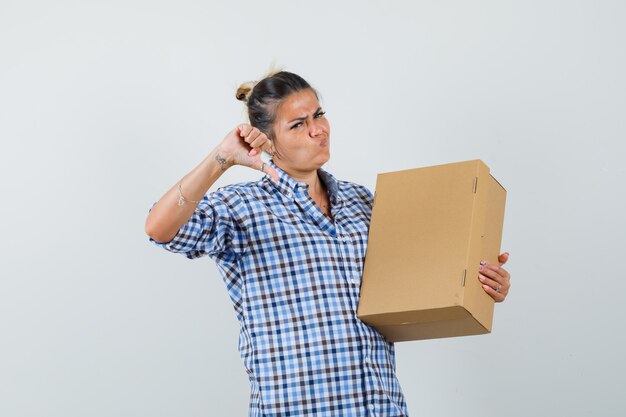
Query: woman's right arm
<point x="241" y="146"/>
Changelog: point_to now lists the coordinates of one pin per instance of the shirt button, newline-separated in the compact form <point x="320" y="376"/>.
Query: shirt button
<point x="371" y="407"/>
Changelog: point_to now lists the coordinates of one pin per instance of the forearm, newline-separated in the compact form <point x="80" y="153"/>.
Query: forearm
<point x="167" y="217"/>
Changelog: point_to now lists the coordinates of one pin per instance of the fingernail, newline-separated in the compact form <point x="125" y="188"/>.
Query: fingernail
<point x="480" y="268"/>
<point x="481" y="277"/>
<point x="485" y="286"/>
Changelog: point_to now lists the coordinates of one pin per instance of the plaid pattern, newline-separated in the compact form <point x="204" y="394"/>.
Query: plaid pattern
<point x="293" y="276"/>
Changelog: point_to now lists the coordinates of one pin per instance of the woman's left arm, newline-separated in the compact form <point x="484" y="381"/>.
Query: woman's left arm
<point x="495" y="279"/>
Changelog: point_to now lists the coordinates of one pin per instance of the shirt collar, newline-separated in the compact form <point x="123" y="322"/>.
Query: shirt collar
<point x="289" y="186"/>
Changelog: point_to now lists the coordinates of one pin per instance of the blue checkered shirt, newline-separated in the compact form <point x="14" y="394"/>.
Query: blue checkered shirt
<point x="293" y="276"/>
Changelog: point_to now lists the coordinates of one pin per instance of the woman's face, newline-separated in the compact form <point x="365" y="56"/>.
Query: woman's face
<point x="302" y="132"/>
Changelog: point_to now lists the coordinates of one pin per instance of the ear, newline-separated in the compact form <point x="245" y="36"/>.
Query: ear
<point x="272" y="151"/>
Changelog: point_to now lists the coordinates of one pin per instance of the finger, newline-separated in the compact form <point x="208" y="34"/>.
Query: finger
<point x="497" y="297"/>
<point x="244" y="130"/>
<point x="498" y="275"/>
<point x="495" y="272"/>
<point x="259" y="141"/>
<point x="252" y="135"/>
<point x="495" y="285"/>
<point x="503" y="258"/>
<point x="267" y="147"/>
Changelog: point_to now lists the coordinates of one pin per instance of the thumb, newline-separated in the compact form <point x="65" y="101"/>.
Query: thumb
<point x="257" y="163"/>
<point x="503" y="258"/>
<point x="269" y="170"/>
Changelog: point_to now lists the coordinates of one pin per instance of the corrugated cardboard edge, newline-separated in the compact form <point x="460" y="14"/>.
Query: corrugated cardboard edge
<point x="415" y="316"/>
<point x="475" y="299"/>
<point x="464" y="325"/>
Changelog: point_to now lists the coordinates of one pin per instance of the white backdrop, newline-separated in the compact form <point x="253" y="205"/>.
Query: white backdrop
<point x="105" y="105"/>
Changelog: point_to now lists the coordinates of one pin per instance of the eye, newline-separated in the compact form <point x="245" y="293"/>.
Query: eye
<point x="296" y="125"/>
<point x="320" y="114"/>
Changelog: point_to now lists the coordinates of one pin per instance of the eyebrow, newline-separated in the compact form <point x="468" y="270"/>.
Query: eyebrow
<point x="304" y="117"/>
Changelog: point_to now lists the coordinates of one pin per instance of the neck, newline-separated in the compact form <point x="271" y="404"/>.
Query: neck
<point x="308" y="177"/>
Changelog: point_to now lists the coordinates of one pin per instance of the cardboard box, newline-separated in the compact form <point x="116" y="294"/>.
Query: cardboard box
<point x="430" y="228"/>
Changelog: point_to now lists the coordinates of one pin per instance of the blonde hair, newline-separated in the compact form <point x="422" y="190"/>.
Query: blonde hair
<point x="245" y="89"/>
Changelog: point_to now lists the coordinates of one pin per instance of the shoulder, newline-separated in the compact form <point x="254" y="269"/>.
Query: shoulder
<point x="236" y="191"/>
<point x="354" y="191"/>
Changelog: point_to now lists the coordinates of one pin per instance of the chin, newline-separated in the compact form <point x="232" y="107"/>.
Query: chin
<point x="323" y="159"/>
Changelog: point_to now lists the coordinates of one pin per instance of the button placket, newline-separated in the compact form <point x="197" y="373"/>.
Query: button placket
<point x="347" y="253"/>
<point x="347" y="248"/>
<point x="369" y="392"/>
<point x="344" y="255"/>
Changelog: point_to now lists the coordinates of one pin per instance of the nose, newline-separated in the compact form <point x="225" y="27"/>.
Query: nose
<point x="315" y="129"/>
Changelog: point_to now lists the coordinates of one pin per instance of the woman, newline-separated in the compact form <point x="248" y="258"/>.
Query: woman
<point x="290" y="248"/>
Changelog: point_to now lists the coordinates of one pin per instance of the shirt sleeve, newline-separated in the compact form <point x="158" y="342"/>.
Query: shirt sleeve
<point x="214" y="227"/>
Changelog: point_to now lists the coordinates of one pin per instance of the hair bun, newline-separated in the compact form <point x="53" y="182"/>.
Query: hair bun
<point x="244" y="90"/>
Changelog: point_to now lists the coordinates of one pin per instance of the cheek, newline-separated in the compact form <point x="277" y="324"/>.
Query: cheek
<point x="292" y="144"/>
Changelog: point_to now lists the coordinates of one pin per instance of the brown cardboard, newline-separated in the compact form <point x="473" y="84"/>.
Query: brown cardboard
<point x="430" y="228"/>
